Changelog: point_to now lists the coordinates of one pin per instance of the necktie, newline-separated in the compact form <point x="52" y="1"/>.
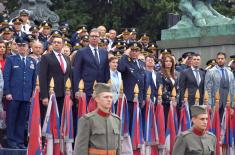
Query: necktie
<point x="197" y="76"/>
<point x="136" y="62"/>
<point x="96" y="56"/>
<point x="24" y="27"/>
<point x="61" y="62"/>
<point x="23" y="61"/>
<point x="223" y="77"/>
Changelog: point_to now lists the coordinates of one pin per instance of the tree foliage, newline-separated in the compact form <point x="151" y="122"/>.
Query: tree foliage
<point x="148" y="16"/>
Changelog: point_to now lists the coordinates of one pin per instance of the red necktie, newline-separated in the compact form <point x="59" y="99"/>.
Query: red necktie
<point x="61" y="62"/>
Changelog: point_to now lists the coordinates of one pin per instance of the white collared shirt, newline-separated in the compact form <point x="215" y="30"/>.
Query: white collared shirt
<point x="93" y="51"/>
<point x="154" y="77"/>
<point x="195" y="74"/>
<point x="58" y="58"/>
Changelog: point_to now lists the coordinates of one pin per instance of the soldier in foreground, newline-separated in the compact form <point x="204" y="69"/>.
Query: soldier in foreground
<point x="196" y="140"/>
<point x="99" y="131"/>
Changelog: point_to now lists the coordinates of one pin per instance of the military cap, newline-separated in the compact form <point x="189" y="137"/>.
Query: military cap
<point x="125" y="31"/>
<point x="144" y="36"/>
<point x="211" y="62"/>
<point x="180" y="60"/>
<point x="152" y="46"/>
<point x="64" y="24"/>
<point x="104" y="41"/>
<point x="232" y="57"/>
<point x="133" y="31"/>
<point x="24" y="12"/>
<point x="198" y="109"/>
<point x="56" y="33"/>
<point x="134" y="45"/>
<point x="7" y="29"/>
<point x="63" y="29"/>
<point x="46" y="24"/>
<point x="82" y="28"/>
<point x="17" y="20"/>
<point x="3" y="21"/>
<point x="33" y="29"/>
<point x="101" y="88"/>
<point x="77" y="46"/>
<point x="67" y="43"/>
<point x="85" y="38"/>
<point x="22" y="40"/>
<point x="118" y="43"/>
<point x="186" y="54"/>
<point x="31" y="37"/>
<point x="165" y="51"/>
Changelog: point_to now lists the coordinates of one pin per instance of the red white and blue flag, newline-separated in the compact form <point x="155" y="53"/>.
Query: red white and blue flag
<point x="82" y="107"/>
<point x="185" y="122"/>
<point x="216" y="130"/>
<point x="151" y="132"/>
<point x="35" y="143"/>
<point x="66" y="129"/>
<point x="172" y="129"/>
<point x="51" y="127"/>
<point x="137" y="130"/>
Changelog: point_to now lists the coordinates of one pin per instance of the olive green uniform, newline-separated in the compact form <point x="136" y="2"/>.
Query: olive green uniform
<point x="98" y="132"/>
<point x="188" y="143"/>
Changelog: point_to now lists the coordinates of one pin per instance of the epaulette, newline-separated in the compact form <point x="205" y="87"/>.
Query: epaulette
<point x="210" y="133"/>
<point x="90" y="114"/>
<point x="116" y="116"/>
<point x="185" y="133"/>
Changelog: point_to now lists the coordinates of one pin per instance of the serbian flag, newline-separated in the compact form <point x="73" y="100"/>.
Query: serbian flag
<point x="160" y="123"/>
<point x="35" y="143"/>
<point x="123" y="113"/>
<point x="209" y="125"/>
<point x="51" y="127"/>
<point x="92" y="105"/>
<point x="151" y="133"/>
<point x="171" y="131"/>
<point x="226" y="132"/>
<point x="82" y="108"/>
<point x="67" y="125"/>
<point x="216" y="130"/>
<point x="185" y="122"/>
<point x="137" y="130"/>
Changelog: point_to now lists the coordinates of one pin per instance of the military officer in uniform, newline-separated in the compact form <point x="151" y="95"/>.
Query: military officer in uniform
<point x="99" y="131"/>
<point x="197" y="140"/>
<point x="19" y="83"/>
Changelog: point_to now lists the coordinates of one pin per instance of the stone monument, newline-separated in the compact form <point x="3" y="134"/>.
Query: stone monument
<point x="201" y="29"/>
<point x="199" y="19"/>
<point x="39" y="11"/>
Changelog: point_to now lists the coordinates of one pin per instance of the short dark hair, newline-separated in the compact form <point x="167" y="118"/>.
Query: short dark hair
<point x="113" y="58"/>
<point x="221" y="53"/>
<point x="196" y="54"/>
<point x="150" y="56"/>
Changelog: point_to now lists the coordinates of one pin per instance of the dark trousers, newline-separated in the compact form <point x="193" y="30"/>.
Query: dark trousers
<point x="17" y="116"/>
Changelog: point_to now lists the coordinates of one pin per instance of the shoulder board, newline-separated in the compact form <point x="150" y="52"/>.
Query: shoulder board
<point x="90" y="114"/>
<point x="116" y="116"/>
<point x="186" y="132"/>
<point x="210" y="133"/>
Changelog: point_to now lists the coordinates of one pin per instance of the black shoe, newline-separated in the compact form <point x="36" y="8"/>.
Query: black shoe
<point x="22" y="147"/>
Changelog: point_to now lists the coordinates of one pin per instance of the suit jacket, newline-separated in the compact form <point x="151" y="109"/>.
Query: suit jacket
<point x="132" y="75"/>
<point x="188" y="81"/>
<point x="19" y="81"/>
<point x="150" y="82"/>
<point x="87" y="68"/>
<point x="50" y="68"/>
<point x="212" y="84"/>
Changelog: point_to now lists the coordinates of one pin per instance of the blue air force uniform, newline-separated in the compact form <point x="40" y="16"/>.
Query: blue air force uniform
<point x="19" y="81"/>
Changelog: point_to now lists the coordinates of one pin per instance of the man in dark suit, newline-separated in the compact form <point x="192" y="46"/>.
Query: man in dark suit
<point x="90" y="65"/>
<point x="193" y="80"/>
<point x="19" y="83"/>
<point x="57" y="66"/>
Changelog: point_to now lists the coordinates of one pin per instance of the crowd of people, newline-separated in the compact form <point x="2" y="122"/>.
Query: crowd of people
<point x="98" y="55"/>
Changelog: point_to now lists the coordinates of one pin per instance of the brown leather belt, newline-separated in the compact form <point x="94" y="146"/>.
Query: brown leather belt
<point x="101" y="151"/>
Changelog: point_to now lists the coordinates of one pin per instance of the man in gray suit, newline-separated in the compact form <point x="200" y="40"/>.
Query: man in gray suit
<point x="220" y="78"/>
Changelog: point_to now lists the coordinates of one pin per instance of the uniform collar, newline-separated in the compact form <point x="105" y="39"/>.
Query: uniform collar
<point x="102" y="113"/>
<point x="198" y="132"/>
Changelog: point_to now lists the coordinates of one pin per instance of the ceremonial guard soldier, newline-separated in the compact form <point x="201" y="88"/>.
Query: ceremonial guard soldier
<point x="99" y="131"/>
<point x="196" y="141"/>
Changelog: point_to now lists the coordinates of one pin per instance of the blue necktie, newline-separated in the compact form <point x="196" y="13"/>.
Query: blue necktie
<point x="23" y="60"/>
<point x="96" y="56"/>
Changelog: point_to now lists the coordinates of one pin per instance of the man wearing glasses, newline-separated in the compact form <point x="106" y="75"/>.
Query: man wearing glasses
<point x="90" y="65"/>
<point x="57" y="66"/>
